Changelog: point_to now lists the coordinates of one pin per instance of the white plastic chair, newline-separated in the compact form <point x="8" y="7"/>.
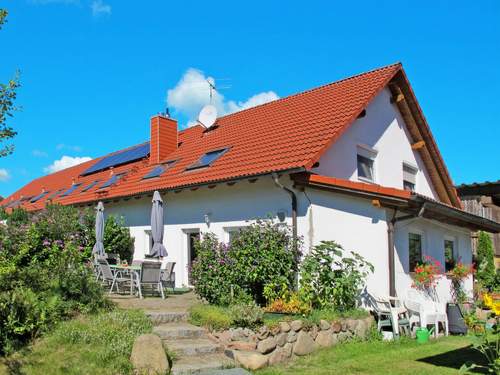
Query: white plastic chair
<point x="390" y="308"/>
<point x="426" y="310"/>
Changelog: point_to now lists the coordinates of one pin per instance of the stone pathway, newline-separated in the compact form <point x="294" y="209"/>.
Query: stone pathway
<point x="194" y="352"/>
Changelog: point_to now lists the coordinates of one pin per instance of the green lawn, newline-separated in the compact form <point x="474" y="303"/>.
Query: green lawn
<point x="93" y="344"/>
<point x="443" y="356"/>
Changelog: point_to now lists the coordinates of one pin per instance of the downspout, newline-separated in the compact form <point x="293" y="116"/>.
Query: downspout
<point x="390" y="242"/>
<point x="293" y="196"/>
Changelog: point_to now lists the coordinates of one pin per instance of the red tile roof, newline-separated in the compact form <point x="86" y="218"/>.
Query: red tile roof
<point x="286" y="134"/>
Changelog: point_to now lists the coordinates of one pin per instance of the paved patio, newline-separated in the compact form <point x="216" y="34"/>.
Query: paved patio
<point x="172" y="303"/>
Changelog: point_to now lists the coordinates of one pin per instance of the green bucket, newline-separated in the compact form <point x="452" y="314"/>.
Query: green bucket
<point x="423" y="335"/>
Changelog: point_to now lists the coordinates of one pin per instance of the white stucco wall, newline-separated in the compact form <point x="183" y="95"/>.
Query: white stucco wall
<point x="384" y="130"/>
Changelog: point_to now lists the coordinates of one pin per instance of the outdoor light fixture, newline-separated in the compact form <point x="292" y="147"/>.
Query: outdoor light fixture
<point x="208" y="216"/>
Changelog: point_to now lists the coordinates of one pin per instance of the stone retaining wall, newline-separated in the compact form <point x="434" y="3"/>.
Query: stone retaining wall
<point x="269" y="346"/>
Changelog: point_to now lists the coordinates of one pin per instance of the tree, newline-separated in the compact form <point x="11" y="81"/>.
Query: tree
<point x="485" y="261"/>
<point x="7" y="97"/>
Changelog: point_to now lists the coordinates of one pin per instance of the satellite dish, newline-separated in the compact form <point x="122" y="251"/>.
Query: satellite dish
<point x="208" y="115"/>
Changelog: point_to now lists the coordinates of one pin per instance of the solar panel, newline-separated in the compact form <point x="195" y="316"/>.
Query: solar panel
<point x="208" y="159"/>
<point x="159" y="170"/>
<point x="90" y="186"/>
<point x="39" y="196"/>
<point x="70" y="190"/>
<point x="119" y="158"/>
<point x="113" y="180"/>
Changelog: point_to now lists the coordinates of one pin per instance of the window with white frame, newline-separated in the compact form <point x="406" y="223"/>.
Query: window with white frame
<point x="450" y="257"/>
<point x="232" y="233"/>
<point x="366" y="163"/>
<point x="409" y="177"/>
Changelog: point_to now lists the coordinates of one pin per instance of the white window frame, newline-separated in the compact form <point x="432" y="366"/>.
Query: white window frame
<point x="414" y="168"/>
<point x="369" y="153"/>
<point x="229" y="229"/>
<point x="453" y="239"/>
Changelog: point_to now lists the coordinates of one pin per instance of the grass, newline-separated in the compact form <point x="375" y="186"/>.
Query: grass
<point x="210" y="316"/>
<point x="91" y="344"/>
<point x="443" y="356"/>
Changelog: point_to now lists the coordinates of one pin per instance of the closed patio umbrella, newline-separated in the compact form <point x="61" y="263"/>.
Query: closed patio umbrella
<point x="99" y="231"/>
<point x="158" y="250"/>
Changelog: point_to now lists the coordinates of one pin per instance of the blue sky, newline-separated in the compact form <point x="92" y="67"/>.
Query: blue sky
<point x="94" y="71"/>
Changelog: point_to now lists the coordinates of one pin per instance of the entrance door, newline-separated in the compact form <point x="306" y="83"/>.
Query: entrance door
<point x="192" y="238"/>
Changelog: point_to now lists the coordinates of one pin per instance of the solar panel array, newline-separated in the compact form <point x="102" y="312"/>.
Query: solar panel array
<point x="120" y="158"/>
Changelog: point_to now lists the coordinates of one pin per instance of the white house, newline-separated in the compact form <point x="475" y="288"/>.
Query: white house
<point x="353" y="161"/>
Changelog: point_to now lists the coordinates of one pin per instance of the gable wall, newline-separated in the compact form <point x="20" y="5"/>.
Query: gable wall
<point x="384" y="130"/>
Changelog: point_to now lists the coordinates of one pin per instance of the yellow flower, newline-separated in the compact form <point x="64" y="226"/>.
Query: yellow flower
<point x="496" y="308"/>
<point x="488" y="301"/>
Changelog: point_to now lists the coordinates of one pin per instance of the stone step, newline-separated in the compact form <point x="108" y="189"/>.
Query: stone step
<point x="178" y="330"/>
<point x="162" y="317"/>
<point x="191" y="347"/>
<point x="203" y="364"/>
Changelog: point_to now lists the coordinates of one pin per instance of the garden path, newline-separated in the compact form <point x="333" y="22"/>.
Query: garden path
<point x="194" y="351"/>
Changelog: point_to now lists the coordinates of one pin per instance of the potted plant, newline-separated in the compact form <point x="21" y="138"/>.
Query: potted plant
<point x="426" y="273"/>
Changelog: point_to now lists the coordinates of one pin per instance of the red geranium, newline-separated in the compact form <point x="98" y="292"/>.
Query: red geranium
<point x="426" y="273"/>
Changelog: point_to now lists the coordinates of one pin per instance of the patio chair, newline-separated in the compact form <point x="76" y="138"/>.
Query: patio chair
<point x="108" y="277"/>
<point x="392" y="314"/>
<point x="150" y="275"/>
<point x="425" y="311"/>
<point x="168" y="276"/>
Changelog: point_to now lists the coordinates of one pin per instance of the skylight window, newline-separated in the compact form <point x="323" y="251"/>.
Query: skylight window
<point x="159" y="170"/>
<point x="55" y="194"/>
<point x="39" y="196"/>
<point x="90" y="186"/>
<point x="113" y="180"/>
<point x="208" y="159"/>
<point x="70" y="190"/>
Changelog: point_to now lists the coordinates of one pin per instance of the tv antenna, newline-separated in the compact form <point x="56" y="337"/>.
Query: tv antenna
<point x="213" y="88"/>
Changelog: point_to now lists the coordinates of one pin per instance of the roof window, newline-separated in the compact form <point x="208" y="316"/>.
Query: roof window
<point x="90" y="186"/>
<point x="208" y="159"/>
<point x="159" y="169"/>
<point x="39" y="196"/>
<point x="70" y="190"/>
<point x="113" y="180"/>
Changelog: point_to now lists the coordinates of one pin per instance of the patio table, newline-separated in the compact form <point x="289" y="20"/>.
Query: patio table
<point x="133" y="270"/>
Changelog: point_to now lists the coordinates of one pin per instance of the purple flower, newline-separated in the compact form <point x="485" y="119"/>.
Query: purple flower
<point x="46" y="242"/>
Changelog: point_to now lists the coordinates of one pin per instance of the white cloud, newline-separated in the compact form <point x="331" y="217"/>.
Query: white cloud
<point x="4" y="175"/>
<point x="192" y="92"/>
<point x="65" y="162"/>
<point x="99" y="8"/>
<point x="39" y="153"/>
<point x="62" y="146"/>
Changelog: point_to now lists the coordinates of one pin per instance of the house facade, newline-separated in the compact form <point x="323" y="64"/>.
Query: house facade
<point x="353" y="161"/>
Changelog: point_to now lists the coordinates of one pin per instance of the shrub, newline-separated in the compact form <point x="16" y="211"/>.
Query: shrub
<point x="117" y="239"/>
<point x="485" y="261"/>
<point x="261" y="254"/>
<point x="210" y="316"/>
<point x="246" y="315"/>
<point x="331" y="280"/>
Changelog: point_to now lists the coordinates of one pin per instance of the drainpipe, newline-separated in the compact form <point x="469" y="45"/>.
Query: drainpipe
<point x="294" y="213"/>
<point x="390" y="242"/>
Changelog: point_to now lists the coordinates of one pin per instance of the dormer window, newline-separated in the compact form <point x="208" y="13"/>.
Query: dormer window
<point x="409" y="177"/>
<point x="208" y="159"/>
<point x="366" y="164"/>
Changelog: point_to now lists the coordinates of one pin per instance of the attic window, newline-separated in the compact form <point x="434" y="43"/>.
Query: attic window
<point x="366" y="164"/>
<point x="39" y="196"/>
<point x="55" y="194"/>
<point x="159" y="170"/>
<point x="208" y="159"/>
<point x="70" y="190"/>
<point x="90" y="186"/>
<point x="113" y="180"/>
<point x="409" y="177"/>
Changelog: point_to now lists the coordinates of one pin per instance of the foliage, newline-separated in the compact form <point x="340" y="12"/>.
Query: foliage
<point x="485" y="261"/>
<point x="117" y="239"/>
<point x="331" y="280"/>
<point x="285" y="301"/>
<point x="8" y="93"/>
<point x="89" y="344"/>
<point x="43" y="273"/>
<point x="426" y="273"/>
<point x="246" y="315"/>
<point x="210" y="316"/>
<point x="488" y="343"/>
<point x="262" y="253"/>
<point x="457" y="275"/>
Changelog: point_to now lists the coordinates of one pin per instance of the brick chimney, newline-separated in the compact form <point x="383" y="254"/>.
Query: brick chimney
<point x="163" y="138"/>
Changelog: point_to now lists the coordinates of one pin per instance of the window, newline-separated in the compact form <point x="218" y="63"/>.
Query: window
<point x="366" y="164"/>
<point x="232" y="233"/>
<point x="207" y="159"/>
<point x="70" y="190"/>
<point x="159" y="170"/>
<point x="449" y="254"/>
<point x="409" y="177"/>
<point x="39" y="196"/>
<point x="414" y="250"/>
<point x="55" y="194"/>
<point x="90" y="186"/>
<point x="113" y="180"/>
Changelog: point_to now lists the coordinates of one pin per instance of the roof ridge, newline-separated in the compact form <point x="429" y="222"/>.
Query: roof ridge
<point x="316" y="88"/>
